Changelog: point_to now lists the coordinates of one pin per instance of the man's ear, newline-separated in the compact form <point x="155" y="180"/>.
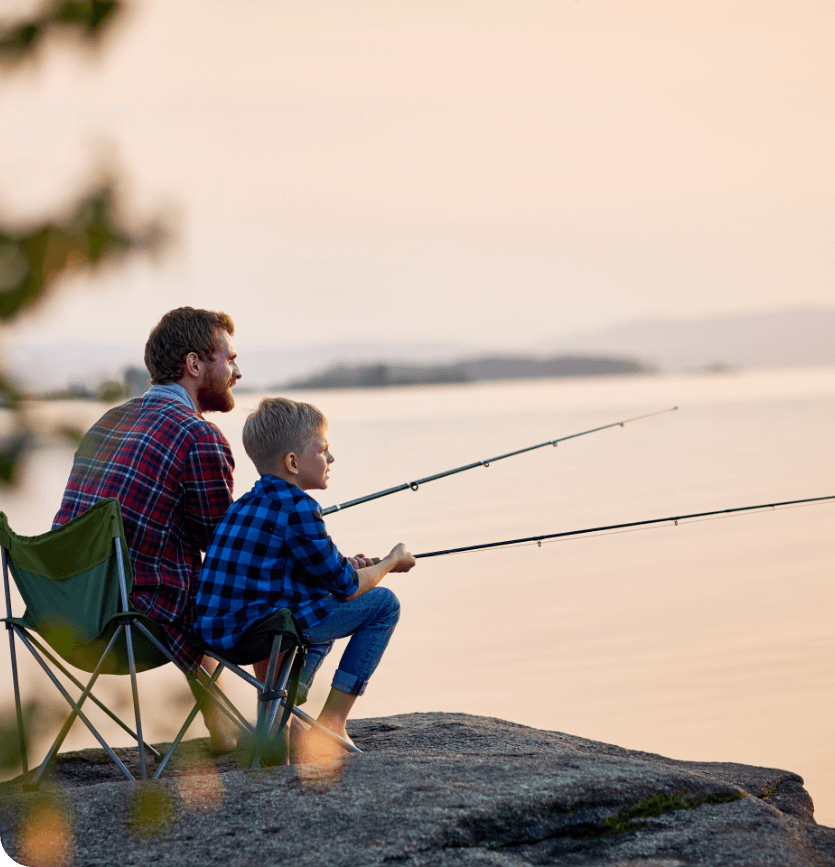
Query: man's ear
<point x="193" y="365"/>
<point x="291" y="463"/>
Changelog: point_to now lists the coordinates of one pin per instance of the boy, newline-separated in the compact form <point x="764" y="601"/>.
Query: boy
<point x="271" y="551"/>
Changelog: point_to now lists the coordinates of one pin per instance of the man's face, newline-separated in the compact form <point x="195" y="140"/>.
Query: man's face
<point x="221" y="373"/>
<point x="313" y="464"/>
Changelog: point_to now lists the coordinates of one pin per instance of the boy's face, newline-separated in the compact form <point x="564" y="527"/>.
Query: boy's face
<point x="313" y="463"/>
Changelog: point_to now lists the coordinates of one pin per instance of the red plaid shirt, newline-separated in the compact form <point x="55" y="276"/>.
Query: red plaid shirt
<point x="171" y="471"/>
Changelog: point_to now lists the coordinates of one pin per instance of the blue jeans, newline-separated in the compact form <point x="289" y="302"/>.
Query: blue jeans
<point x="369" y="620"/>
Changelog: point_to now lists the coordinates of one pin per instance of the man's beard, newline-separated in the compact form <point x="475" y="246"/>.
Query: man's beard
<point x="215" y="396"/>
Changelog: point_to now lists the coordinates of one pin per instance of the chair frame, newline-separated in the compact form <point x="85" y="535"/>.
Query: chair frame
<point x="273" y="693"/>
<point x="127" y="621"/>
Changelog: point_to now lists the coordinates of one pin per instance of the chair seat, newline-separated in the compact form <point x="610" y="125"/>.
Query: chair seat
<point x="86" y="655"/>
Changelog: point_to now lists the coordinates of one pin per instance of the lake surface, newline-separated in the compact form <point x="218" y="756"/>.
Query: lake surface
<point x="711" y="640"/>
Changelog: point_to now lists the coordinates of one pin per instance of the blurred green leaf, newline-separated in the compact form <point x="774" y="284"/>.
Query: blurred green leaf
<point x="91" y="233"/>
<point x="111" y="391"/>
<point x="71" y="434"/>
<point x="12" y="449"/>
<point x="152" y="810"/>
<point x="40" y="721"/>
<point x="87" y="18"/>
<point x="33" y="258"/>
<point x="9" y="736"/>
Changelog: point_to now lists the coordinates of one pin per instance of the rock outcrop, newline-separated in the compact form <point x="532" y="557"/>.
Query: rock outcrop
<point x="431" y="789"/>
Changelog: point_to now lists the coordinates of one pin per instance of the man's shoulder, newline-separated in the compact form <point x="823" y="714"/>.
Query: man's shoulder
<point x="145" y="410"/>
<point x="156" y="425"/>
<point x="120" y="413"/>
<point x="156" y="412"/>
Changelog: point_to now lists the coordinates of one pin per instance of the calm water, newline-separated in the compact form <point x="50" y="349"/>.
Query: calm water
<point x="706" y="641"/>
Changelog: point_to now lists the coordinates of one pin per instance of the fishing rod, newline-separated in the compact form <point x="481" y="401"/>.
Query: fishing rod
<point x="416" y="484"/>
<point x="674" y="519"/>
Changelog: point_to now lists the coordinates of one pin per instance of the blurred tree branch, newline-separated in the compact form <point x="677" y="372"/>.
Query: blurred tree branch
<point x="33" y="258"/>
<point x="87" y="18"/>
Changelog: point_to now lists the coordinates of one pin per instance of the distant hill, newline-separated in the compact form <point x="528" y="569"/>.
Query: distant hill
<point x="57" y="365"/>
<point x="479" y="369"/>
<point x="785" y="338"/>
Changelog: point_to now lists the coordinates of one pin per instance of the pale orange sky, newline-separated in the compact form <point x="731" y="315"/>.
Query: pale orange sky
<point x="438" y="171"/>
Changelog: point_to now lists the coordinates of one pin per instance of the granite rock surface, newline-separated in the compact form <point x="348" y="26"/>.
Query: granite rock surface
<point x="450" y="790"/>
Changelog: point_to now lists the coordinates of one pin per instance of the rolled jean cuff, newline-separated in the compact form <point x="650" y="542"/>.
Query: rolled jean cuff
<point x="348" y="683"/>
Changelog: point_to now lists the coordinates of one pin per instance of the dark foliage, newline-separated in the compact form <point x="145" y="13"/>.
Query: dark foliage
<point x="85" y="18"/>
<point x="33" y="258"/>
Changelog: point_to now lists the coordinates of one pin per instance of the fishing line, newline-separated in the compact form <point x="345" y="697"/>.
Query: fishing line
<point x="610" y="529"/>
<point x="414" y="486"/>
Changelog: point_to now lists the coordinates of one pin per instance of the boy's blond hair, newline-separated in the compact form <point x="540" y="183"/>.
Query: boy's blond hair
<point x="277" y="427"/>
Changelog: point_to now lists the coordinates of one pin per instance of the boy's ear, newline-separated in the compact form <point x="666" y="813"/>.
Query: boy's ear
<point x="291" y="463"/>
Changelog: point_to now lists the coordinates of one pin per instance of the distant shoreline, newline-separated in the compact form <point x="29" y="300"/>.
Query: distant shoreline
<point x="483" y="369"/>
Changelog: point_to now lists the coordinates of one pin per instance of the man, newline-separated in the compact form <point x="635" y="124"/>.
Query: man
<point x="171" y="471"/>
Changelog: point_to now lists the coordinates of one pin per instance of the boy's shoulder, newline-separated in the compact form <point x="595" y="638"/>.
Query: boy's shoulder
<point x="273" y="495"/>
<point x="289" y="496"/>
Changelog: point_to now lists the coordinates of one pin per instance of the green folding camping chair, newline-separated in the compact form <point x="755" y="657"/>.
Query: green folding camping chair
<point x="76" y="581"/>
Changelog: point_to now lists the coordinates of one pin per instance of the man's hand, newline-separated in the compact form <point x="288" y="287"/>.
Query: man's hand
<point x="404" y="560"/>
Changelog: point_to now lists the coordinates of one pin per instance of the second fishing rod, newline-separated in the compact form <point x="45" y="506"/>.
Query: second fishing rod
<point x="413" y="486"/>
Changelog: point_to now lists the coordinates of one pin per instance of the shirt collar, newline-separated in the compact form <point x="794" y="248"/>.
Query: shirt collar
<point x="173" y="391"/>
<point x="268" y="482"/>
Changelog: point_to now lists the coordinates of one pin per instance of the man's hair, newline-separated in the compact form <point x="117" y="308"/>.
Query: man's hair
<point x="179" y="333"/>
<point x="277" y="427"/>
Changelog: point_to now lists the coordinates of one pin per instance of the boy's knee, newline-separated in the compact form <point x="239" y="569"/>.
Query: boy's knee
<point x="388" y="603"/>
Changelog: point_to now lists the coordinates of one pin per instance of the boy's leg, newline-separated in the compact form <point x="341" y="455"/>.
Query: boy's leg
<point x="312" y="745"/>
<point x="369" y="620"/>
<point x="314" y="657"/>
<point x="334" y="714"/>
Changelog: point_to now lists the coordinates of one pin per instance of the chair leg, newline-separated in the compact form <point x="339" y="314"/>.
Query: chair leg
<point x="59" y="686"/>
<point x="189" y="720"/>
<point x="77" y="683"/>
<point x="87" y="693"/>
<point x="223" y="701"/>
<point x="18" y="708"/>
<point x="143" y="770"/>
<point x="273" y="691"/>
<point x="282" y="679"/>
<point x="13" y="653"/>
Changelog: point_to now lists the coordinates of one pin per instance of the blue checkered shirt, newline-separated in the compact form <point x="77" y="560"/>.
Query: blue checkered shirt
<point x="269" y="551"/>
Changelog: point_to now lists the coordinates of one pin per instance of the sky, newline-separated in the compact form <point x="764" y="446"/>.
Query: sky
<point x="484" y="173"/>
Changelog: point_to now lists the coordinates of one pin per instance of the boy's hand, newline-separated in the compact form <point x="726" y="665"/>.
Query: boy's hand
<point x="360" y="561"/>
<point x="404" y="561"/>
<point x="397" y="560"/>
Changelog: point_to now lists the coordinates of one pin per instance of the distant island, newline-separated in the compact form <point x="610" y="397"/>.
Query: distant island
<point x="494" y="367"/>
<point x="708" y="344"/>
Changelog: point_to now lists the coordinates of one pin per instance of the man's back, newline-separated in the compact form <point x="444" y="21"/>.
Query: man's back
<point x="171" y="472"/>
